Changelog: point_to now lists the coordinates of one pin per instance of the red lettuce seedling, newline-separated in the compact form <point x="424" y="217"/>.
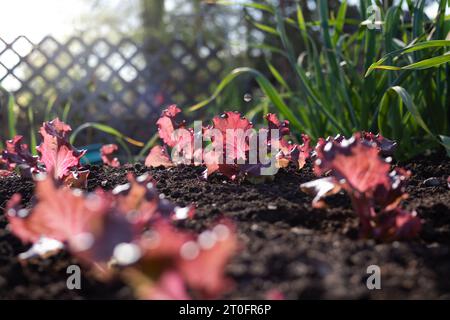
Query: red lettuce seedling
<point x="229" y="149"/>
<point x="61" y="214"/>
<point x="129" y="227"/>
<point x="175" y="263"/>
<point x="237" y="164"/>
<point x="17" y="155"/>
<point x="95" y="222"/>
<point x="107" y="153"/>
<point x="141" y="203"/>
<point x="59" y="156"/>
<point x="56" y="155"/>
<point x="355" y="166"/>
<point x="232" y="155"/>
<point x="167" y="124"/>
<point x="229" y="124"/>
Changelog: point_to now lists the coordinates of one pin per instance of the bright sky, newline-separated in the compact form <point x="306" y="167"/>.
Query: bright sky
<point x="38" y="18"/>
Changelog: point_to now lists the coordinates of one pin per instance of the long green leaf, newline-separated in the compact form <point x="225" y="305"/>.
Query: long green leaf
<point x="429" y="63"/>
<point x="409" y="49"/>
<point x="32" y="130"/>
<point x="11" y="116"/>
<point x="277" y="76"/>
<point x="104" y="128"/>
<point x="420" y="65"/>
<point x="265" y="28"/>
<point x="409" y="103"/>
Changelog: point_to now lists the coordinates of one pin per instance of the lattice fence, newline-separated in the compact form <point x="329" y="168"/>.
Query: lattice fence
<point x="124" y="84"/>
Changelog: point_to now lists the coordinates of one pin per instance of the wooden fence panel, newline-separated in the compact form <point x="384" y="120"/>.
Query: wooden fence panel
<point x="124" y="84"/>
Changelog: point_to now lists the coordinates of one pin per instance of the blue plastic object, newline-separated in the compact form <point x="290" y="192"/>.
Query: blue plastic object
<point x="92" y="155"/>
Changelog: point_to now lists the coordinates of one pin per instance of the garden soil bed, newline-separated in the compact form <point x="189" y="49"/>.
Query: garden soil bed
<point x="286" y="245"/>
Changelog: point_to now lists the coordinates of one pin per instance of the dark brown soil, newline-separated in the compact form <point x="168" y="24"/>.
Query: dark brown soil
<point x="287" y="245"/>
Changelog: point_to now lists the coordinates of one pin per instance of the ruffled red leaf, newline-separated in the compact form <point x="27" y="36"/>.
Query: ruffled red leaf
<point x="204" y="262"/>
<point x="297" y="154"/>
<point x="355" y="166"/>
<point x="214" y="162"/>
<point x="231" y="121"/>
<point x="384" y="145"/>
<point x="92" y="225"/>
<point x="107" y="153"/>
<point x="140" y="202"/>
<point x="60" y="213"/>
<point x="229" y="147"/>
<point x="57" y="154"/>
<point x="274" y="123"/>
<point x="200" y="261"/>
<point x="17" y="154"/>
<point x="233" y="127"/>
<point x="176" y="136"/>
<point x="162" y="244"/>
<point x="158" y="157"/>
<point x="167" y="125"/>
<point x="110" y="239"/>
<point x="288" y="152"/>
<point x="137" y="199"/>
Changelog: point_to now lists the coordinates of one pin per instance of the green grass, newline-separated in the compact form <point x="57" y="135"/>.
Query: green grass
<point x="395" y="81"/>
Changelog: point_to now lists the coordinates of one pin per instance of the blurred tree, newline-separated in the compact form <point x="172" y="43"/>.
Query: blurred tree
<point x="152" y="15"/>
<point x="104" y="16"/>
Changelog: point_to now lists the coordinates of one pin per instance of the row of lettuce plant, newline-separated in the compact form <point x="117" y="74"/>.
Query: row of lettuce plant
<point x="359" y="169"/>
<point x="129" y="232"/>
<point x="359" y="165"/>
